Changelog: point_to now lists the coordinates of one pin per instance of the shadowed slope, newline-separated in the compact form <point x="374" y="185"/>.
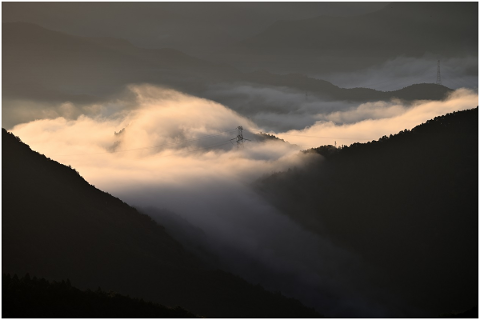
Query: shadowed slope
<point x="56" y="225"/>
<point x="38" y="298"/>
<point x="407" y="203"/>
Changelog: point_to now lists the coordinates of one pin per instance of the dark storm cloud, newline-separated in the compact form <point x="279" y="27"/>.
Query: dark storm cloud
<point x="193" y="27"/>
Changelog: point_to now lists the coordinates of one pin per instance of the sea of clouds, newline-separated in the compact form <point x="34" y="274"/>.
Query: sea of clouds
<point x="156" y="147"/>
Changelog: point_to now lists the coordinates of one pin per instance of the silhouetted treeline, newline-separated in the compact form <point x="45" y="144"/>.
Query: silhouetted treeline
<point x="29" y="297"/>
<point x="266" y="137"/>
<point x="407" y="203"/>
<point x="57" y="226"/>
<point x="470" y="313"/>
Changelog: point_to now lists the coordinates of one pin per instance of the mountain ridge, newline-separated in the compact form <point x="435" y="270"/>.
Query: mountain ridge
<point x="407" y="203"/>
<point x="53" y="67"/>
<point x="326" y="44"/>
<point x="57" y="226"/>
<point x="388" y="18"/>
<point x="27" y="297"/>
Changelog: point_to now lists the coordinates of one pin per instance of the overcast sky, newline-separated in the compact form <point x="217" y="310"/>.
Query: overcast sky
<point x="190" y="27"/>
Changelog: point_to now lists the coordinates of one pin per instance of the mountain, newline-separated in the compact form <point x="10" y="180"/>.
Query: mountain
<point x="327" y="90"/>
<point x="192" y="238"/>
<point x="50" y="67"/>
<point x="332" y="44"/>
<point x="75" y="65"/>
<point x="407" y="203"/>
<point x="55" y="225"/>
<point x="38" y="298"/>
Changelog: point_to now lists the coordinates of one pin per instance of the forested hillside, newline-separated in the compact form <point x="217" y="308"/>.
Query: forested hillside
<point x="407" y="203"/>
<point x="28" y="297"/>
<point x="57" y="226"/>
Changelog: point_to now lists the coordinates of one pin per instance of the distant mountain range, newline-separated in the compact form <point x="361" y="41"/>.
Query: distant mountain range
<point x="57" y="226"/>
<point x="44" y="64"/>
<point x="50" y="66"/>
<point x="327" y="90"/>
<point x="407" y="203"/>
<point x="327" y="44"/>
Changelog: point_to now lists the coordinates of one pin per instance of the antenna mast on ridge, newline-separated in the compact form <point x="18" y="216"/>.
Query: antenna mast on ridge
<point x="439" y="77"/>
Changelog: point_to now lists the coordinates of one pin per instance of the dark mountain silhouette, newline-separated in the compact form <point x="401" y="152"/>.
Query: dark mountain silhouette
<point x="325" y="89"/>
<point x="470" y="313"/>
<point x="57" y="226"/>
<point x="29" y="297"/>
<point x="407" y="203"/>
<point x="329" y="44"/>
<point x="44" y="65"/>
<point x="196" y="28"/>
<point x="74" y="64"/>
<point x="267" y="137"/>
<point x="192" y="238"/>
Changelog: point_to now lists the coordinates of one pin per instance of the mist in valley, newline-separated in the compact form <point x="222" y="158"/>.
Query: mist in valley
<point x="180" y="109"/>
<point x="171" y="154"/>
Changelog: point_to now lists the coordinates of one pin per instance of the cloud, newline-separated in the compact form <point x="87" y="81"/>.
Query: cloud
<point x="170" y="150"/>
<point x="370" y="121"/>
<point x="167" y="140"/>
<point x="158" y="147"/>
<point x="275" y="108"/>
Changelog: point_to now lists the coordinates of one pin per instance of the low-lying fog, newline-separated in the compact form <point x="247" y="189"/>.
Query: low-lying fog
<point x="154" y="147"/>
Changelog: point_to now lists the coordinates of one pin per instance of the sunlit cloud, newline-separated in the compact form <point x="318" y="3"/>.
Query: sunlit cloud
<point x="167" y="136"/>
<point x="158" y="147"/>
<point x="370" y="121"/>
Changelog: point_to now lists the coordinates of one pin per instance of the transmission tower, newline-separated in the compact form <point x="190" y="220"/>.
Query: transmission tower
<point x="439" y="77"/>
<point x="240" y="138"/>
